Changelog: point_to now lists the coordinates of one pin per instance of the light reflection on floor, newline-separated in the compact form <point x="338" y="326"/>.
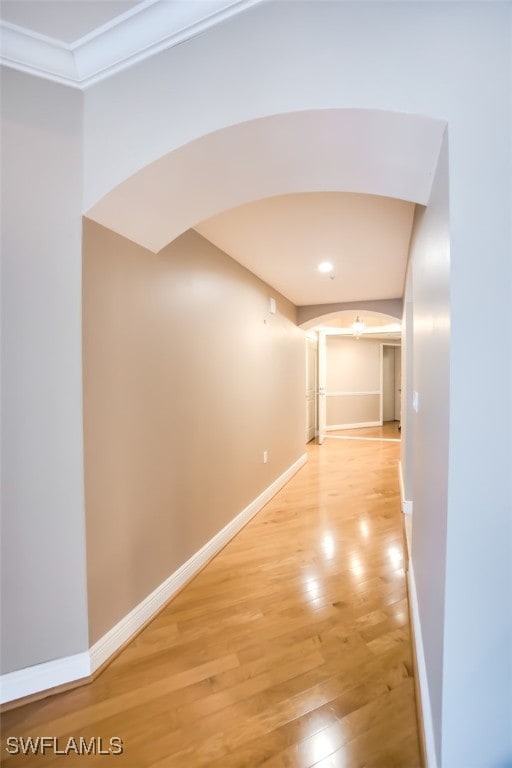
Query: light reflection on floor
<point x="395" y="556"/>
<point x="311" y="586"/>
<point x="356" y="565"/>
<point x="329" y="546"/>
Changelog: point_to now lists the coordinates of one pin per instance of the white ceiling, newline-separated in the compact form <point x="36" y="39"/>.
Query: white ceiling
<point x="65" y="21"/>
<point x="283" y="239"/>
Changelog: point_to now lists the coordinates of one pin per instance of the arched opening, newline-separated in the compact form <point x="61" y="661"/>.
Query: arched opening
<point x="360" y="152"/>
<point x="213" y="364"/>
<point x="357" y="385"/>
<point x="365" y="151"/>
<point x="375" y="322"/>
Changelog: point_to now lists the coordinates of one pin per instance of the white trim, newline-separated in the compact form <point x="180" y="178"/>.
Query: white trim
<point x="406" y="503"/>
<point x="144" y="611"/>
<point x="430" y="747"/>
<point x="373" y="439"/>
<point x="41" y="677"/>
<point x="37" y="55"/>
<point x="351" y="394"/>
<point x="335" y="427"/>
<point x="144" y="30"/>
<point x="381" y="376"/>
<point x="408" y="535"/>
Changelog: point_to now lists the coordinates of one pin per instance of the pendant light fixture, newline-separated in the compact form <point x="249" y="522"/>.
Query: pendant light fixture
<point x="357" y="327"/>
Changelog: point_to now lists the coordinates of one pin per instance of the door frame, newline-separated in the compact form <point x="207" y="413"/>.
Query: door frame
<point x="309" y="339"/>
<point x="322" y="385"/>
<point x="385" y="344"/>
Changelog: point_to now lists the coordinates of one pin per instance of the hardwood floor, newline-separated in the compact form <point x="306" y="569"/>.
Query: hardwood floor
<point x="388" y="431"/>
<point x="290" y="649"/>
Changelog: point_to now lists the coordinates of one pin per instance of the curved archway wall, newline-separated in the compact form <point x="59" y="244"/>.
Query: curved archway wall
<point x="368" y="151"/>
<point x="309" y="316"/>
<point x="448" y="61"/>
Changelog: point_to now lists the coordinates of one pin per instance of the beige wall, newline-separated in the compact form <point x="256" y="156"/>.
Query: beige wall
<point x="352" y="365"/>
<point x="353" y="370"/>
<point x="187" y="380"/>
<point x="352" y="409"/>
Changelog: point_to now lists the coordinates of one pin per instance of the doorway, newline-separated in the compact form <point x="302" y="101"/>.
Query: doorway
<point x="311" y="387"/>
<point x="391" y="382"/>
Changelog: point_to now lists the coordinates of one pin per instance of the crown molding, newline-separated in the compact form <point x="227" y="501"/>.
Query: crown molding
<point x="37" y="55"/>
<point x="147" y="29"/>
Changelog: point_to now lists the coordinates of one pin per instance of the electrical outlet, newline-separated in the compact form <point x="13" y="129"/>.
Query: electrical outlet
<point x="265" y="457"/>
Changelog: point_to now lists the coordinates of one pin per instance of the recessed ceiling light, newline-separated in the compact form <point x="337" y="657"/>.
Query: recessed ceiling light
<point x="325" y="266"/>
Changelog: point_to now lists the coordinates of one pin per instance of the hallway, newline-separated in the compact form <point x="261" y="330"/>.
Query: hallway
<point x="290" y="649"/>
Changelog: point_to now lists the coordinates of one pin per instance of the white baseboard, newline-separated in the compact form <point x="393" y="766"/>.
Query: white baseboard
<point x="428" y="727"/>
<point x="406" y="503"/>
<point x="41" y="677"/>
<point x="133" y="621"/>
<point x="333" y="427"/>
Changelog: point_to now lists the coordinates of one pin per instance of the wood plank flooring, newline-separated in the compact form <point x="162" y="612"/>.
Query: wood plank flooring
<point x="388" y="431"/>
<point x="291" y="649"/>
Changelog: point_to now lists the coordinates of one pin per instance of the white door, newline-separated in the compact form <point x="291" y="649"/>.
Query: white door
<point x="398" y="383"/>
<point x="322" y="383"/>
<point x="311" y="371"/>
<point x="391" y="382"/>
<point x="388" y="383"/>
